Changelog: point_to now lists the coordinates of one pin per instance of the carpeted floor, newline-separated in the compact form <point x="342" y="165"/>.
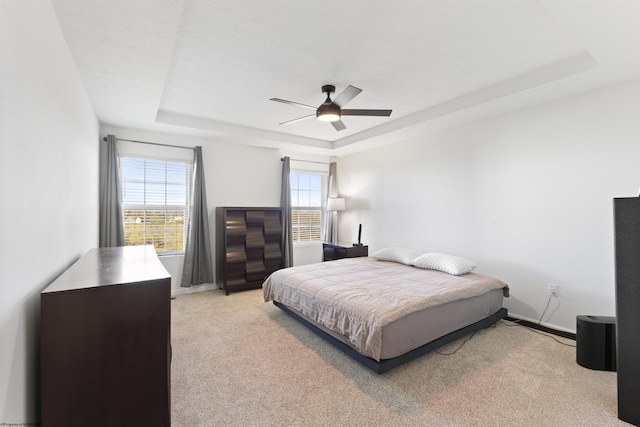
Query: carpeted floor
<point x="238" y="361"/>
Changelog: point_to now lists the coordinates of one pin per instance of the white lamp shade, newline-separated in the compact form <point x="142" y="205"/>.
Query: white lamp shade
<point x="336" y="204"/>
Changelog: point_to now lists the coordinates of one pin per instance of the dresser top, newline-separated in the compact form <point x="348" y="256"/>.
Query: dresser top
<point x="111" y="266"/>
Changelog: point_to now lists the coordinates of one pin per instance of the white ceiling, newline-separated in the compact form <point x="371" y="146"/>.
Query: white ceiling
<point x="209" y="67"/>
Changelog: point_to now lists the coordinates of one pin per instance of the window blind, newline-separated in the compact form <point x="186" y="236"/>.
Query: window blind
<point x="155" y="202"/>
<point x="308" y="195"/>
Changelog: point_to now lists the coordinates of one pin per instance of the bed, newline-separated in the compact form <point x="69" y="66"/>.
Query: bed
<point x="386" y="311"/>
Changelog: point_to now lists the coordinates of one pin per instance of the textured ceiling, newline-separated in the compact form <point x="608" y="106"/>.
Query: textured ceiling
<point x="210" y="67"/>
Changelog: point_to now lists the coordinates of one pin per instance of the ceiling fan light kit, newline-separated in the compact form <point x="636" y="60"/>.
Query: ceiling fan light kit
<point x="331" y="111"/>
<point x="328" y="116"/>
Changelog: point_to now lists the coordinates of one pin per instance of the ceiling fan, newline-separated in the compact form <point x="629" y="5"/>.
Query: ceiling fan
<point x="332" y="111"/>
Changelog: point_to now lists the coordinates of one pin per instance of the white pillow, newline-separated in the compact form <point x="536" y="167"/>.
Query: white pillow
<point x="442" y="262"/>
<point x="401" y="255"/>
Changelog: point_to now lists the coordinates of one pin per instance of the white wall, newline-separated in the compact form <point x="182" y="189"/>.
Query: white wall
<point x="526" y="195"/>
<point x="48" y="188"/>
<point x="235" y="175"/>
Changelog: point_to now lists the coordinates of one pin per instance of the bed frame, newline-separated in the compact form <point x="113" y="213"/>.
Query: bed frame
<point x="387" y="364"/>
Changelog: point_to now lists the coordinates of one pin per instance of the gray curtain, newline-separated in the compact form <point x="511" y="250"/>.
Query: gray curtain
<point x="330" y="218"/>
<point x="285" y="204"/>
<point x="198" y="265"/>
<point x="111" y="220"/>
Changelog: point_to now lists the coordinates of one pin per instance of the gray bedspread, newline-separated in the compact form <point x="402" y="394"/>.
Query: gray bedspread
<point x="357" y="297"/>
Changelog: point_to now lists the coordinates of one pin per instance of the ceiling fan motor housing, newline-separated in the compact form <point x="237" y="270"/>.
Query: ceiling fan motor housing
<point x="328" y="108"/>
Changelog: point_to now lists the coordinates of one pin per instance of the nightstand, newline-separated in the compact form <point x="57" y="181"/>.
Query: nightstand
<point x="331" y="252"/>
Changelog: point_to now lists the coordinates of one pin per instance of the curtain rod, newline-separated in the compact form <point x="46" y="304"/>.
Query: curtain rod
<point x="152" y="143"/>
<point x="308" y="161"/>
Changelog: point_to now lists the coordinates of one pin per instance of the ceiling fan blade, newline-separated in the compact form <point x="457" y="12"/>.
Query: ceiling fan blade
<point x="338" y="125"/>
<point x="284" y="101"/>
<point x="365" y="112"/>
<point x="297" y="120"/>
<point x="347" y="95"/>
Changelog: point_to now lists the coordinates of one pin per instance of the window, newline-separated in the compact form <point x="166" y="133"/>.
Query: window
<point x="155" y="202"/>
<point x="308" y="192"/>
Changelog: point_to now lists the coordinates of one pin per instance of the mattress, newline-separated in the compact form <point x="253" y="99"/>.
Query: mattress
<point x="384" y="309"/>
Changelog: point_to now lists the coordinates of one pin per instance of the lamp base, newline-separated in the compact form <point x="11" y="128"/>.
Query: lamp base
<point x="357" y="244"/>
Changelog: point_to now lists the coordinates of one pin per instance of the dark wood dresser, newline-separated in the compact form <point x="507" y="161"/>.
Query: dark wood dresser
<point x="105" y="341"/>
<point x="248" y="247"/>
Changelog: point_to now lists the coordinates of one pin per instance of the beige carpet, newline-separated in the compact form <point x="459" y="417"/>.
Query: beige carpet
<point x="238" y="361"/>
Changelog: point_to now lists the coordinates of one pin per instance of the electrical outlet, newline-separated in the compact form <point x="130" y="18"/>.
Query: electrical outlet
<point x="553" y="289"/>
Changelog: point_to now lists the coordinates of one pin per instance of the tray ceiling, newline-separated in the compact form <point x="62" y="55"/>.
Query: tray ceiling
<point x="210" y="67"/>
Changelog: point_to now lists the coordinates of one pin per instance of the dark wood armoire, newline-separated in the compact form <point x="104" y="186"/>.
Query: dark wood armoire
<point x="248" y="246"/>
<point x="105" y="351"/>
<point x="627" y="258"/>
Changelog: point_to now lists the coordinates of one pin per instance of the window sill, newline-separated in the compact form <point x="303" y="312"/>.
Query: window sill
<point x="170" y="254"/>
<point x="302" y="244"/>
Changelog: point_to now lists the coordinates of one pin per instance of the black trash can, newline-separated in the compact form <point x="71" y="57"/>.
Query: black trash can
<point x="596" y="342"/>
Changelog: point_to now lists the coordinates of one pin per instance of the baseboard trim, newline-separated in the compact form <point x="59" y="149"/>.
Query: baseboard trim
<point x="542" y="328"/>
<point x="193" y="289"/>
